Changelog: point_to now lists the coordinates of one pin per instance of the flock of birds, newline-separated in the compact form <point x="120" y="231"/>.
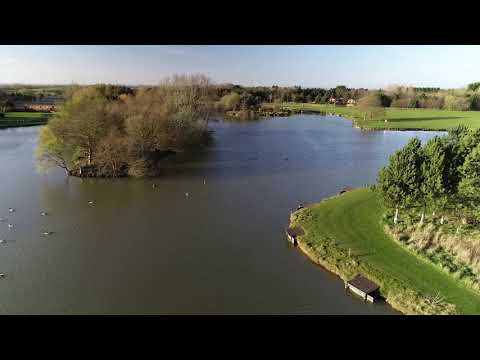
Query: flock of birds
<point x="186" y="194"/>
<point x="11" y="226"/>
<point x="44" y="213"/>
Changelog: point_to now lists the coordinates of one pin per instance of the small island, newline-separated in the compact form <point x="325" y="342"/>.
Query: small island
<point x="415" y="233"/>
<point x="112" y="131"/>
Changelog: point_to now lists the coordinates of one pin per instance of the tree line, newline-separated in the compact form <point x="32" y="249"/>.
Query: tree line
<point x="237" y="97"/>
<point x="442" y="176"/>
<point x="111" y="131"/>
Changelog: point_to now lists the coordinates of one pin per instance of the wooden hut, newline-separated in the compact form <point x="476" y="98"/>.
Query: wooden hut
<point x="363" y="287"/>
<point x="293" y="233"/>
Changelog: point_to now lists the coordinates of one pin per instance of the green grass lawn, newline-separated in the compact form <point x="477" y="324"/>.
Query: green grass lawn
<point x="403" y="119"/>
<point x="354" y="221"/>
<point x="16" y="119"/>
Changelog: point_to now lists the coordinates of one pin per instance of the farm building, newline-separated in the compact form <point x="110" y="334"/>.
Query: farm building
<point x="363" y="287"/>
<point x="351" y="102"/>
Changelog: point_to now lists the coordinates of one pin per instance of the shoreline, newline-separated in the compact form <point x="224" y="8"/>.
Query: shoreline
<point x="355" y="123"/>
<point x="335" y="253"/>
<point x="21" y="125"/>
<point x="398" y="119"/>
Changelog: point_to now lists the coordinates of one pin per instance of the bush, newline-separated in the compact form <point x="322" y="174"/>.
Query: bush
<point x="456" y="103"/>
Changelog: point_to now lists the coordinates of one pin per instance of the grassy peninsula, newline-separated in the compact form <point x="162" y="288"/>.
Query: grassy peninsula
<point x="345" y="235"/>
<point x="18" y="119"/>
<point x="399" y="118"/>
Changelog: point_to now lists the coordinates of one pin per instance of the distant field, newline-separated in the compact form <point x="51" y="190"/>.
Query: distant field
<point x="16" y="119"/>
<point x="403" y="119"/>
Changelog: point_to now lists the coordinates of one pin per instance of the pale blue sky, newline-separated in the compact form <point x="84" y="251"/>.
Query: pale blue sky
<point x="307" y="66"/>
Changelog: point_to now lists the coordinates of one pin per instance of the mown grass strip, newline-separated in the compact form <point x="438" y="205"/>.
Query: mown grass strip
<point x="345" y="235"/>
<point x="401" y="119"/>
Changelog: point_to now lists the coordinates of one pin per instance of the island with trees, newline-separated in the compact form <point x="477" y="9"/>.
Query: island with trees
<point x="107" y="131"/>
<point x="415" y="232"/>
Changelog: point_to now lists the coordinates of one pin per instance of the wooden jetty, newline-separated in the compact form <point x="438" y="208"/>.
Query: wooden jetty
<point x="293" y="233"/>
<point x="363" y="287"/>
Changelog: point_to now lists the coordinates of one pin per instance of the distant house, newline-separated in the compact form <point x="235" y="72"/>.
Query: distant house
<point x="337" y="101"/>
<point x="44" y="105"/>
<point x="351" y="102"/>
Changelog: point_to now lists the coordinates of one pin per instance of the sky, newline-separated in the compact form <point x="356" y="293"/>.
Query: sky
<point x="264" y="65"/>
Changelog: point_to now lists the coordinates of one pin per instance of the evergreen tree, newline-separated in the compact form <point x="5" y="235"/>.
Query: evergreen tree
<point x="435" y="169"/>
<point x="470" y="184"/>
<point x="399" y="182"/>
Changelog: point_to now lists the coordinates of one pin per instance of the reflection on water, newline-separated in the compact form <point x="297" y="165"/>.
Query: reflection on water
<point x="145" y="250"/>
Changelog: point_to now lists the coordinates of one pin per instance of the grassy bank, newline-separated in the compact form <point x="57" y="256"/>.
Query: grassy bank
<point x="345" y="235"/>
<point x="17" y="119"/>
<point x="401" y="119"/>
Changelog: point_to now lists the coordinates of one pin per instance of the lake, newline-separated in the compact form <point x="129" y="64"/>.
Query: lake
<point x="219" y="250"/>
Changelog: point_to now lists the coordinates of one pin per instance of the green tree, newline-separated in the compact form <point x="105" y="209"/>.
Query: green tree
<point x="399" y="182"/>
<point x="470" y="184"/>
<point x="473" y="86"/>
<point x="435" y="169"/>
<point x="231" y="101"/>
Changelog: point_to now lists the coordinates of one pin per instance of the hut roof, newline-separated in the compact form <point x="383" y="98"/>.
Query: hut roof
<point x="295" y="231"/>
<point x="363" y="284"/>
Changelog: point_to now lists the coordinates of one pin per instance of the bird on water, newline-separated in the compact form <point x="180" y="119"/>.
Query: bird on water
<point x="90" y="202"/>
<point x="11" y="210"/>
<point x="43" y="213"/>
<point x="10" y="226"/>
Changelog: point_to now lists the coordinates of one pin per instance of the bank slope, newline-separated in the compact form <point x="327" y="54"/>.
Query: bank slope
<point x="401" y="119"/>
<point x="352" y="222"/>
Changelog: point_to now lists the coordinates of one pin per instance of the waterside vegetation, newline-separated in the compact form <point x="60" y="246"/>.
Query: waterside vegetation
<point x="104" y="133"/>
<point x="416" y="232"/>
<point x="345" y="235"/>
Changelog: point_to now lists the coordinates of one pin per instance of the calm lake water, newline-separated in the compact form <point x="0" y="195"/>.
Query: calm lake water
<point x="221" y="250"/>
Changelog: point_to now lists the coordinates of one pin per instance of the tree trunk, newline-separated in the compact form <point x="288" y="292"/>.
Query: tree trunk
<point x="395" y="219"/>
<point x="89" y="156"/>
